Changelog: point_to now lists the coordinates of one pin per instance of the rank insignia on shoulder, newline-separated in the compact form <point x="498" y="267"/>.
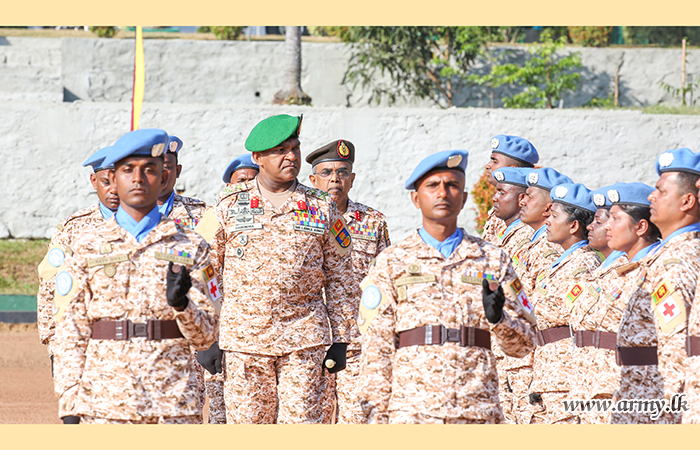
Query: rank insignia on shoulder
<point x="372" y="298"/>
<point x="515" y="289"/>
<point x="342" y="240"/>
<point x="175" y="256"/>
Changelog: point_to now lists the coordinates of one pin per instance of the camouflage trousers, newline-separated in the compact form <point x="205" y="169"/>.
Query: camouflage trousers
<point x="411" y="418"/>
<point x="176" y="420"/>
<point x="263" y="389"/>
<point x="214" y="385"/>
<point x="551" y="410"/>
<point x="641" y="382"/>
<point x="513" y="389"/>
<point x="340" y="403"/>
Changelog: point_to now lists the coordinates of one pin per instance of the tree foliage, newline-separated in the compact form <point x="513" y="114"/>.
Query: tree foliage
<point x="591" y="36"/>
<point x="400" y="62"/>
<point x="545" y="76"/>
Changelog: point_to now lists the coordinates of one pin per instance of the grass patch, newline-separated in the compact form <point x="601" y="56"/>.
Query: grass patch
<point x="19" y="259"/>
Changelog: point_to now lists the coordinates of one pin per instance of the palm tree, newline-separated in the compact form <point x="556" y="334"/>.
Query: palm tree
<point x="292" y="94"/>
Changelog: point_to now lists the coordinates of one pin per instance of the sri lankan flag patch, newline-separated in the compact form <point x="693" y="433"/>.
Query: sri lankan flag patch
<point x="668" y="306"/>
<point x="573" y="294"/>
<point x="515" y="289"/>
<point x="341" y="237"/>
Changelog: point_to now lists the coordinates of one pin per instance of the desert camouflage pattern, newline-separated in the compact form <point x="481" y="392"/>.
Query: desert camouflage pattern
<point x="692" y="378"/>
<point x="62" y="238"/>
<point x="552" y="363"/>
<point x="181" y="420"/>
<point x="596" y="375"/>
<point x="137" y="378"/>
<point x="442" y="381"/>
<point x="187" y="211"/>
<point x="267" y="389"/>
<point x="273" y="292"/>
<point x="537" y="260"/>
<point x="512" y="384"/>
<point x="492" y="228"/>
<point x="675" y="265"/>
<point x="414" y="418"/>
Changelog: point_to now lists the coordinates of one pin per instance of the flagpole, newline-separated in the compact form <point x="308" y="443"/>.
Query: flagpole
<point x="139" y="80"/>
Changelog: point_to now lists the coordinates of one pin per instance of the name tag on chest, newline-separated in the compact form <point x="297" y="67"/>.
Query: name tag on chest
<point x="107" y="260"/>
<point x="175" y="256"/>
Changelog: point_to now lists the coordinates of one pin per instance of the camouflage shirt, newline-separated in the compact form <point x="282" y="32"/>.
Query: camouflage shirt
<point x="492" y="228"/>
<point x="187" y="211"/>
<point x="418" y="286"/>
<point x="111" y="276"/>
<point x="275" y="264"/>
<point x="515" y="244"/>
<point x="535" y="260"/>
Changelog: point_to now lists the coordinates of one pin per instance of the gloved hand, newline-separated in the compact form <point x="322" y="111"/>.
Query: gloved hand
<point x="210" y="359"/>
<point x="335" y="359"/>
<point x="493" y="302"/>
<point x="68" y="420"/>
<point x="178" y="285"/>
<point x="535" y="398"/>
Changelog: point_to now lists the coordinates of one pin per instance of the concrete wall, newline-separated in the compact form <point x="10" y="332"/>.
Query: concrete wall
<point x="43" y="144"/>
<point x="249" y="73"/>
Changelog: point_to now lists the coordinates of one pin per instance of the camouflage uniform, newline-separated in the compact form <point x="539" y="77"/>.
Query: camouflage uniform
<point x="692" y="378"/>
<point x="62" y="239"/>
<point x="114" y="277"/>
<point x="370" y="235"/>
<point x="512" y="384"/>
<point x="419" y="287"/>
<point x="555" y="295"/>
<point x="275" y="264"/>
<point x="492" y="228"/>
<point x="536" y="260"/>
<point x="667" y="292"/>
<point x="188" y="211"/>
<point x="599" y="308"/>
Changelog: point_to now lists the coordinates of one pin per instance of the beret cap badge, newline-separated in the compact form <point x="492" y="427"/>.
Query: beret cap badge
<point x="614" y="196"/>
<point x="561" y="191"/>
<point x="343" y="150"/>
<point x="498" y="175"/>
<point x="157" y="150"/>
<point x="454" y="160"/>
<point x="495" y="143"/>
<point x="533" y="177"/>
<point x="666" y="159"/>
<point x="599" y="199"/>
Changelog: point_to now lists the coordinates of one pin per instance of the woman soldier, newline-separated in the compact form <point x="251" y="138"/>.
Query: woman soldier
<point x="596" y="316"/>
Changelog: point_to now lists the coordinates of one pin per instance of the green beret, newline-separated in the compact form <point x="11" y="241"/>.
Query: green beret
<point x="271" y="132"/>
<point x="341" y="150"/>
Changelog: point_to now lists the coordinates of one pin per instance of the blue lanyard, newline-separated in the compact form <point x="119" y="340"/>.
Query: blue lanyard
<point x="540" y="231"/>
<point x="688" y="229"/>
<point x="106" y="212"/>
<point x="645" y="251"/>
<point x="612" y="257"/>
<point x="445" y="247"/>
<point x="566" y="254"/>
<point x="167" y="207"/>
<point x="138" y="230"/>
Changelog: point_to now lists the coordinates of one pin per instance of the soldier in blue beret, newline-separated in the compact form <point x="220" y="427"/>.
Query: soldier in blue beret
<point x="597" y="313"/>
<point x="596" y="230"/>
<point x="424" y="298"/>
<point x="283" y="250"/>
<point x="126" y="315"/>
<point x="659" y="327"/>
<point x="185" y="211"/>
<point x="555" y="295"/>
<point x="241" y="170"/>
<point x="60" y="245"/>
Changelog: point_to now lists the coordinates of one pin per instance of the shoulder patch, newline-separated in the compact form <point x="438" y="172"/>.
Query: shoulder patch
<point x="668" y="306"/>
<point x="341" y="236"/>
<point x="372" y="298"/>
<point x="515" y="289"/>
<point x="65" y="291"/>
<point x="573" y="295"/>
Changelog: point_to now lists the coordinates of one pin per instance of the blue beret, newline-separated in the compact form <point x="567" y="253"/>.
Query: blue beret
<point x="174" y="145"/>
<point x="678" y="160"/>
<point x="515" y="147"/>
<point x="146" y="142"/>
<point x="511" y="175"/>
<point x="574" y="194"/>
<point x="449" y="159"/>
<point x="242" y="162"/>
<point x="546" y="178"/>
<point x="600" y="198"/>
<point x="629" y="194"/>
<point x="97" y="160"/>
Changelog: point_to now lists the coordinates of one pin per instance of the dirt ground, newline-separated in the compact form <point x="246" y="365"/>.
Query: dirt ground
<point x="26" y="387"/>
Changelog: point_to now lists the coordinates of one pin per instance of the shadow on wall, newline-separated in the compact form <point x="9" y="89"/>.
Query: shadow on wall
<point x="4" y="41"/>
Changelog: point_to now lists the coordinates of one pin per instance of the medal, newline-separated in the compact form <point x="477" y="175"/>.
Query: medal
<point x="301" y="204"/>
<point x="110" y="270"/>
<point x="243" y="239"/>
<point x="254" y="202"/>
<point x="358" y="216"/>
<point x="240" y="252"/>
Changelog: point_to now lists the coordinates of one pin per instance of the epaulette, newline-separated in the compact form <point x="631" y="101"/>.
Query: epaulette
<point x="623" y="269"/>
<point x="550" y="252"/>
<point x="671" y="261"/>
<point x="323" y="195"/>
<point x="82" y="213"/>
<point x="579" y="271"/>
<point x="232" y="189"/>
<point x="190" y="201"/>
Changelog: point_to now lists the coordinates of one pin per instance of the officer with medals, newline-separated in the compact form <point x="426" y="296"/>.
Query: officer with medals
<point x="332" y="166"/>
<point x="185" y="211"/>
<point x="666" y="288"/>
<point x="241" y="169"/>
<point x="507" y="151"/>
<point x="597" y="313"/>
<point x="514" y="240"/>
<point x="572" y="211"/>
<point x="107" y="203"/>
<point x="131" y="301"/>
<point x="431" y="306"/>
<point x="279" y="246"/>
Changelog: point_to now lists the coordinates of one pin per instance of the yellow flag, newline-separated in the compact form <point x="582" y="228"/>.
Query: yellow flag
<point x="139" y="80"/>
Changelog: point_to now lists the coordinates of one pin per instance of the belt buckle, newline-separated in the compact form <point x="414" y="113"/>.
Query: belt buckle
<point x="138" y="330"/>
<point x="449" y="335"/>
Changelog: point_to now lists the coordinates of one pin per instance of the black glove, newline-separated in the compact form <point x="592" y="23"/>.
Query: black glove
<point x="335" y="359"/>
<point x="493" y="302"/>
<point x="535" y="398"/>
<point x="68" y="420"/>
<point x="210" y="359"/>
<point x="178" y="285"/>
